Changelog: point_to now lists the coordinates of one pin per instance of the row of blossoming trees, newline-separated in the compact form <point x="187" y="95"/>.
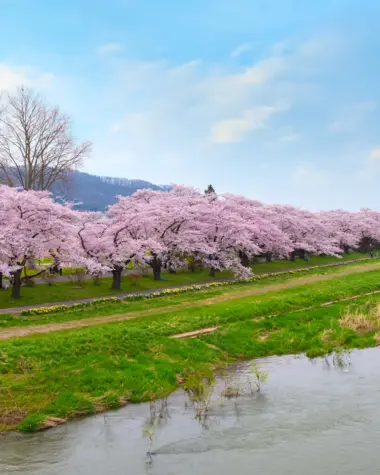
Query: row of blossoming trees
<point x="169" y="229"/>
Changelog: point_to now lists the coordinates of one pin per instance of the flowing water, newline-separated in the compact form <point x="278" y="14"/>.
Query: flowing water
<point x="312" y="417"/>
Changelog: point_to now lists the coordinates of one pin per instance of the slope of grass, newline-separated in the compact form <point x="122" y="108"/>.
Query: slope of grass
<point x="74" y="373"/>
<point x="314" y="332"/>
<point x="127" y="307"/>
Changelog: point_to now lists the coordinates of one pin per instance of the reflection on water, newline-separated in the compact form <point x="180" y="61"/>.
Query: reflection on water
<point x="310" y="417"/>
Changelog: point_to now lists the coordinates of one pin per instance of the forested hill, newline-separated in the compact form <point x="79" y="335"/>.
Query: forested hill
<point x="97" y="192"/>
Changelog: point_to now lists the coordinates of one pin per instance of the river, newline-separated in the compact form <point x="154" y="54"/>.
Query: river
<point x="311" y="417"/>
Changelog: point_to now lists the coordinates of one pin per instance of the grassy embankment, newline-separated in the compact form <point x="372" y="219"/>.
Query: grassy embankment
<point x="79" y="372"/>
<point x="162" y="304"/>
<point x="65" y="291"/>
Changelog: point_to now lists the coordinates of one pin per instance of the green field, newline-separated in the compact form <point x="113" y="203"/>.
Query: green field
<point x="193" y="299"/>
<point x="62" y="291"/>
<point x="66" y="291"/>
<point x="78" y="372"/>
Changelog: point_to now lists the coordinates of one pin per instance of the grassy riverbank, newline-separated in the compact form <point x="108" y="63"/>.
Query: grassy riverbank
<point x="78" y="372"/>
<point x="69" y="291"/>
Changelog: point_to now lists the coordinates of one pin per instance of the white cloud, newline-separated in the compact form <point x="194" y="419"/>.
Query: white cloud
<point x="244" y="48"/>
<point x="285" y="74"/>
<point x="155" y="110"/>
<point x="368" y="169"/>
<point x="235" y="129"/>
<point x="374" y="155"/>
<point x="152" y="115"/>
<point x="263" y="71"/>
<point x="109" y="48"/>
<point x="11" y="78"/>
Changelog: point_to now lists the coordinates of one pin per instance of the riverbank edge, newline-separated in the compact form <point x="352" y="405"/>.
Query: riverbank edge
<point x="39" y="422"/>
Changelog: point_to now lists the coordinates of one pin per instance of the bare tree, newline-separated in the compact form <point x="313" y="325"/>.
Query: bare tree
<point x="37" y="148"/>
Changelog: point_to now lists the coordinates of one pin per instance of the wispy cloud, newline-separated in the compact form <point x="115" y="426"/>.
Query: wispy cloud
<point x="263" y="71"/>
<point x="235" y="129"/>
<point x="374" y="154"/>
<point x="369" y="166"/>
<point x="11" y="78"/>
<point x="241" y="49"/>
<point x="109" y="48"/>
<point x="170" y="121"/>
<point x="188" y="110"/>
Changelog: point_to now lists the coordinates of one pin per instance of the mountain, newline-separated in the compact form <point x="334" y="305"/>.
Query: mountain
<point x="95" y="193"/>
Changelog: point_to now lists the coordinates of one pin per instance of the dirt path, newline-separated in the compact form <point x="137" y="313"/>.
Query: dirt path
<point x="89" y="322"/>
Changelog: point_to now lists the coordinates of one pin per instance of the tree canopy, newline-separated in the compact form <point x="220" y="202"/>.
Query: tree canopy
<point x="160" y="228"/>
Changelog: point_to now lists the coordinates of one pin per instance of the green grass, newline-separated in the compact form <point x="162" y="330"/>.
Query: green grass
<point x="314" y="332"/>
<point x="78" y="372"/>
<point x="262" y="267"/>
<point x="279" y="265"/>
<point x="62" y="291"/>
<point x="123" y="307"/>
<point x="66" y="291"/>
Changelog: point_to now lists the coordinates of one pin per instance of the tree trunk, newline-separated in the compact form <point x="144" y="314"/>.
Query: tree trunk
<point x="293" y="256"/>
<point x="346" y="249"/>
<point x="156" y="266"/>
<point x="365" y="244"/>
<point x="191" y="266"/>
<point x="116" y="278"/>
<point x="156" y="271"/>
<point x="16" y="286"/>
<point x="268" y="257"/>
<point x="244" y="259"/>
<point x="303" y="255"/>
<point x="212" y="272"/>
<point x="1" y="280"/>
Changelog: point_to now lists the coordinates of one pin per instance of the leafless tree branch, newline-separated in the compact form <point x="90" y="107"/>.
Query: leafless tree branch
<point x="37" y="148"/>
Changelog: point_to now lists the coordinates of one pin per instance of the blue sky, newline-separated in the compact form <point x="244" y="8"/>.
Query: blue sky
<point x="278" y="100"/>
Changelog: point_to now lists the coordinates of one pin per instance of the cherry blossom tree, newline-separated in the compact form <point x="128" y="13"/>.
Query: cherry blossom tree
<point x="269" y="238"/>
<point x="164" y="229"/>
<point x="31" y="224"/>
<point x="166" y="225"/>
<point x="225" y="235"/>
<point x="368" y="222"/>
<point x="104" y="244"/>
<point x="306" y="231"/>
<point x="342" y="227"/>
